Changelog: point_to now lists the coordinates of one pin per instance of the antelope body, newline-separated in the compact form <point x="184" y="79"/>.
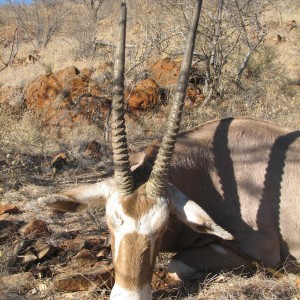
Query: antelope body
<point x="242" y="174"/>
<point x="245" y="174"/>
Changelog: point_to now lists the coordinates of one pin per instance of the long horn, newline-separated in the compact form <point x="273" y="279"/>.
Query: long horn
<point x="156" y="185"/>
<point x="123" y="175"/>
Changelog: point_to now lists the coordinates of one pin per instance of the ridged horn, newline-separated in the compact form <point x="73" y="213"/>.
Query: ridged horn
<point x="156" y="185"/>
<point x="123" y="175"/>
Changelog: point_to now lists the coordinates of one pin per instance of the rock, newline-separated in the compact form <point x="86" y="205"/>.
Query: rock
<point x="84" y="254"/>
<point x="193" y="97"/>
<point x="297" y="281"/>
<point x="95" y="243"/>
<point x="85" y="258"/>
<point x="146" y="94"/>
<point x="27" y="258"/>
<point x="59" y="161"/>
<point x="83" y="279"/>
<point x="74" y="245"/>
<point x="93" y="150"/>
<point x="71" y="234"/>
<point x="22" y="246"/>
<point x="30" y="250"/>
<point x="5" y="217"/>
<point x="44" y="249"/>
<point x="41" y="271"/>
<point x="25" y="280"/>
<point x="9" y="209"/>
<point x="67" y="97"/>
<point x="35" y="228"/>
<point x="104" y="253"/>
<point x="165" y="71"/>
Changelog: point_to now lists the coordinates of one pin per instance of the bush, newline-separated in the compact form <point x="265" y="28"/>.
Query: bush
<point x="260" y="62"/>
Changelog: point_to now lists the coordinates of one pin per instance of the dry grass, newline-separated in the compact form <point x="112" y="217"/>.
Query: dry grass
<point x="28" y="149"/>
<point x="281" y="12"/>
<point x="228" y="286"/>
<point x="20" y="133"/>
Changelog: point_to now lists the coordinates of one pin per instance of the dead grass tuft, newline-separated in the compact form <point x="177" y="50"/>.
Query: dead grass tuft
<point x="228" y="286"/>
<point x="20" y="133"/>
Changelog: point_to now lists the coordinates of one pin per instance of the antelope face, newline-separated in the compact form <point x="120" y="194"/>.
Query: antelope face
<point x="137" y="224"/>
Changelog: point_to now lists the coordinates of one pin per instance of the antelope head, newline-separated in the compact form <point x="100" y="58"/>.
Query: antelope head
<point x="137" y="214"/>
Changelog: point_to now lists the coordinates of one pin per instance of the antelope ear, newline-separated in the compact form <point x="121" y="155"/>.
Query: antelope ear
<point x="190" y="213"/>
<point x="80" y="198"/>
<point x="136" y="160"/>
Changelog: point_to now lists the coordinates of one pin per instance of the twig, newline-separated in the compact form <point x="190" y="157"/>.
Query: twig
<point x="153" y="54"/>
<point x="12" y="54"/>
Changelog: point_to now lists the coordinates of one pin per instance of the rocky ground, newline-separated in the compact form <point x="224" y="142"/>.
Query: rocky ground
<point x="47" y="254"/>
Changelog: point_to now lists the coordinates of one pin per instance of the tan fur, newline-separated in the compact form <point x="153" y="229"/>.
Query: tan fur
<point x="137" y="204"/>
<point x="245" y="174"/>
<point x="135" y="275"/>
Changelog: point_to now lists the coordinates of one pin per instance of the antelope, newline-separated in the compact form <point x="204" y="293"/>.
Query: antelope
<point x="230" y="184"/>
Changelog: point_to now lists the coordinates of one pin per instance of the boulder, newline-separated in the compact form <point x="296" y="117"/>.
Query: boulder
<point x="166" y="71"/>
<point x="66" y="97"/>
<point x="145" y="94"/>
